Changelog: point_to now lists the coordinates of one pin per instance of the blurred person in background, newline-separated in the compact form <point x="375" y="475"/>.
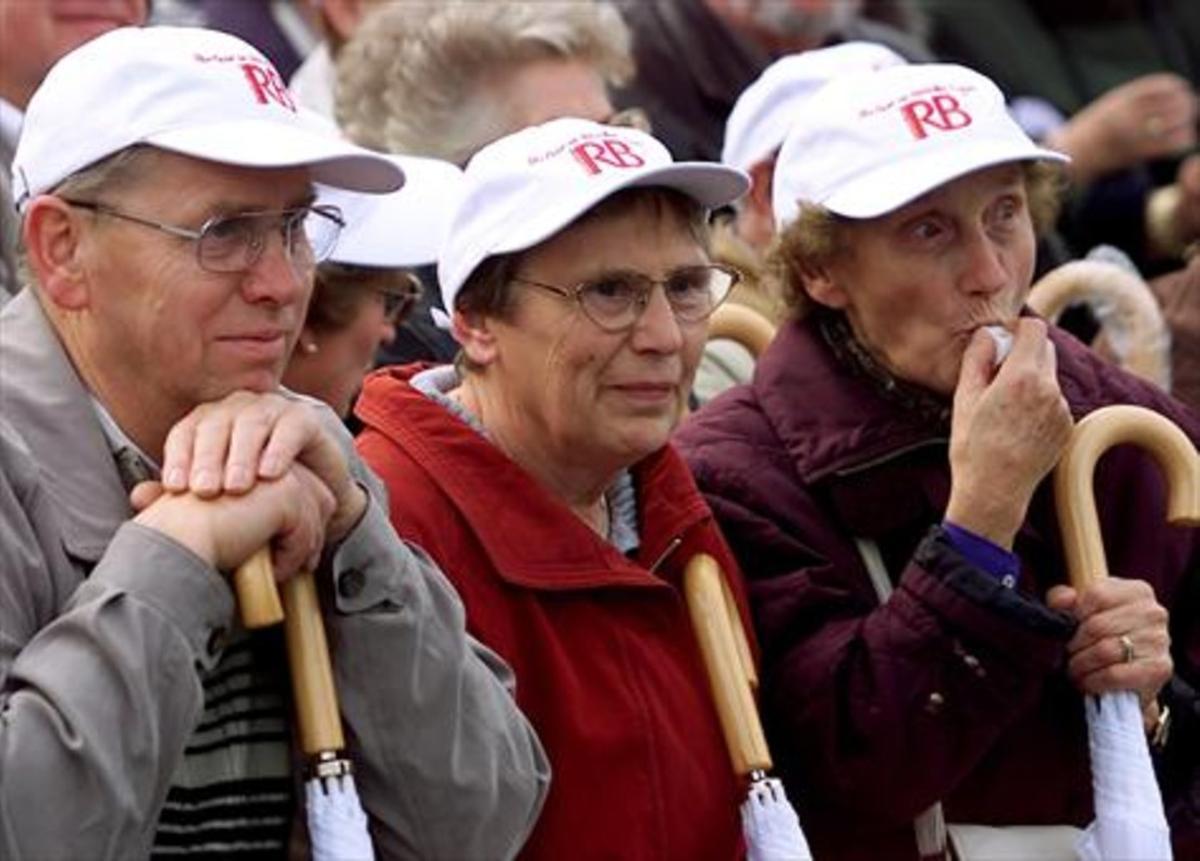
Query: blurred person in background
<point x="366" y="288"/>
<point x="695" y="57"/>
<point x="314" y="83"/>
<point x="1112" y="83"/>
<point x="286" y="31"/>
<point x="441" y="80"/>
<point x="34" y="34"/>
<point x="754" y="132"/>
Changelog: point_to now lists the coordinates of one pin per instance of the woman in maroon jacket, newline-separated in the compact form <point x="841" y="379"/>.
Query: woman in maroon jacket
<point x="881" y="482"/>
<point x="537" y="472"/>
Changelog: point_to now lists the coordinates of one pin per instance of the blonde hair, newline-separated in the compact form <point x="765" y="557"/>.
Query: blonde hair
<point x="414" y="77"/>
<point x="816" y="236"/>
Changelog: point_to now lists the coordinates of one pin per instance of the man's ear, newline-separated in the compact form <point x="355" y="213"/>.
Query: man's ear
<point x="53" y="235"/>
<point x="756" y="218"/>
<point x="474" y="332"/>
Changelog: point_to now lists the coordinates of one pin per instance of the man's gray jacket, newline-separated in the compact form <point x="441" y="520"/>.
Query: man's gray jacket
<point x="99" y="687"/>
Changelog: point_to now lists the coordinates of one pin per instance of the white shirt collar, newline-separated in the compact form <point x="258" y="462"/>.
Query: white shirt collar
<point x="117" y="438"/>
<point x="11" y="118"/>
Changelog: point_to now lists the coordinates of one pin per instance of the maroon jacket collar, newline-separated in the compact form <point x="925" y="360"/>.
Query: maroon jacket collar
<point x="829" y="417"/>
<point x="832" y="419"/>
<point x="552" y="549"/>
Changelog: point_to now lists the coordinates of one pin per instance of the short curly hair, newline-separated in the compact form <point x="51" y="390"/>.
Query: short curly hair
<point x="413" y="78"/>
<point x="817" y="236"/>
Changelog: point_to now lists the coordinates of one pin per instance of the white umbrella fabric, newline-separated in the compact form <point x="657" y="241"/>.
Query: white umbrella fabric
<point x="1130" y="822"/>
<point x="769" y="823"/>
<point x="337" y="825"/>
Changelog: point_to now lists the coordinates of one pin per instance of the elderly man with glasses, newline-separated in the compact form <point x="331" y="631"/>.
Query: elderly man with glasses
<point x="165" y="181"/>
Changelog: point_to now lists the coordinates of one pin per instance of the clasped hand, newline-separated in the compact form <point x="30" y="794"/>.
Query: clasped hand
<point x="249" y="470"/>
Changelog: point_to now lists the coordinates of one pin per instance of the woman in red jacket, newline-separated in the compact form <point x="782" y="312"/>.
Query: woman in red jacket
<point x="537" y="472"/>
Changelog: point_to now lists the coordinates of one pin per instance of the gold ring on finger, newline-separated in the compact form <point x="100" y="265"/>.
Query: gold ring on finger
<point x="1128" y="655"/>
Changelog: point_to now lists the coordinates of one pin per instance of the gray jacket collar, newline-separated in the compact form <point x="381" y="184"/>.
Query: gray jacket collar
<point x="44" y="398"/>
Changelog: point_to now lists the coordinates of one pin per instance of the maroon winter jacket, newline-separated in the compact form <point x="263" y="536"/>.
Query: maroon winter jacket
<point x="955" y="689"/>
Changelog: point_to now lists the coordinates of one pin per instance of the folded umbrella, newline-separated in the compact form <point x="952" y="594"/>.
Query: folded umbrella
<point x="337" y="825"/>
<point x="1129" y="822"/>
<point x="769" y="823"/>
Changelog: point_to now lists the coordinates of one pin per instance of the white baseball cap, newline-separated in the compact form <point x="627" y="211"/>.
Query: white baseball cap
<point x="870" y="143"/>
<point x="766" y="109"/>
<point x="188" y="90"/>
<point x="526" y="187"/>
<point x="402" y="228"/>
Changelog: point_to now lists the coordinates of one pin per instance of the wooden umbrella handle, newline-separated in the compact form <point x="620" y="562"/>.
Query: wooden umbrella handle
<point x="257" y="594"/>
<point x="312" y="670"/>
<point x="741" y="324"/>
<point x="1073" y="493"/>
<point x="313" y="690"/>
<point x="726" y="655"/>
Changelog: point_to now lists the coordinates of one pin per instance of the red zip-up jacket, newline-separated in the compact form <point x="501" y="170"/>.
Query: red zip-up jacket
<point x="607" y="667"/>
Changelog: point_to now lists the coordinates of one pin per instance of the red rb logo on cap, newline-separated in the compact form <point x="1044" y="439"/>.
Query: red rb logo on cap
<point x="267" y="85"/>
<point x="611" y="152"/>
<point x="941" y="112"/>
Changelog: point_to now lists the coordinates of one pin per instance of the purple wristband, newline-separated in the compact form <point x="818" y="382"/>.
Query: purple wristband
<point x="985" y="554"/>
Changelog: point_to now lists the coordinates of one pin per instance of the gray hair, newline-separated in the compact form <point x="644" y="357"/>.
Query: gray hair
<point x="119" y="170"/>
<point x="412" y="80"/>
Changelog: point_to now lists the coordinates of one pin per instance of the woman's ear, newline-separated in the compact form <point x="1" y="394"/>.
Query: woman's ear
<point x="306" y="344"/>
<point x="475" y="333"/>
<point x="825" y="288"/>
<point x="53" y="235"/>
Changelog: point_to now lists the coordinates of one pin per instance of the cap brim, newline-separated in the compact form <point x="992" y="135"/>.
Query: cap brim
<point x="896" y="184"/>
<point x="265" y="144"/>
<point x="404" y="228"/>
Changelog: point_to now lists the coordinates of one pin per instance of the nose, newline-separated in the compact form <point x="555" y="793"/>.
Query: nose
<point x="275" y="276"/>
<point x="984" y="270"/>
<point x="657" y="329"/>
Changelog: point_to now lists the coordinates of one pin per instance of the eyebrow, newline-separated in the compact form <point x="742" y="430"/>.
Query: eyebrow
<point x="229" y="206"/>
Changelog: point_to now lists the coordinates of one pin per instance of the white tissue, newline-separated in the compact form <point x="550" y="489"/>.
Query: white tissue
<point x="1003" y="340"/>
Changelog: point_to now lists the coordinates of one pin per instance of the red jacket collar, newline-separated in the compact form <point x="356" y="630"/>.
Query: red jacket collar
<point x="552" y="549"/>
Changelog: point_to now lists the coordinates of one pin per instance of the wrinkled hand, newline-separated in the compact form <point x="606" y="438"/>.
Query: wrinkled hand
<point x="227" y="446"/>
<point x="288" y="512"/>
<point x="1106" y="611"/>
<point x="1147" y="118"/>
<point x="1007" y="431"/>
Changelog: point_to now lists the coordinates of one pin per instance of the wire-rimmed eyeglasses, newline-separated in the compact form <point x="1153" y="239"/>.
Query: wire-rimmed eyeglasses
<point x="614" y="301"/>
<point x="398" y="301"/>
<point x="234" y="243"/>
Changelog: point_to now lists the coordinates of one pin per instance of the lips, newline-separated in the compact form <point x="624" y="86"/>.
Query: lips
<point x="647" y="392"/>
<point x="260" y="345"/>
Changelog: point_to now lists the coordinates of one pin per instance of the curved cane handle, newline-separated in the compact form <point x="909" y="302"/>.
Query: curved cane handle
<point x="741" y="324"/>
<point x="1091" y="280"/>
<point x="726" y="654"/>
<point x="1094" y="435"/>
